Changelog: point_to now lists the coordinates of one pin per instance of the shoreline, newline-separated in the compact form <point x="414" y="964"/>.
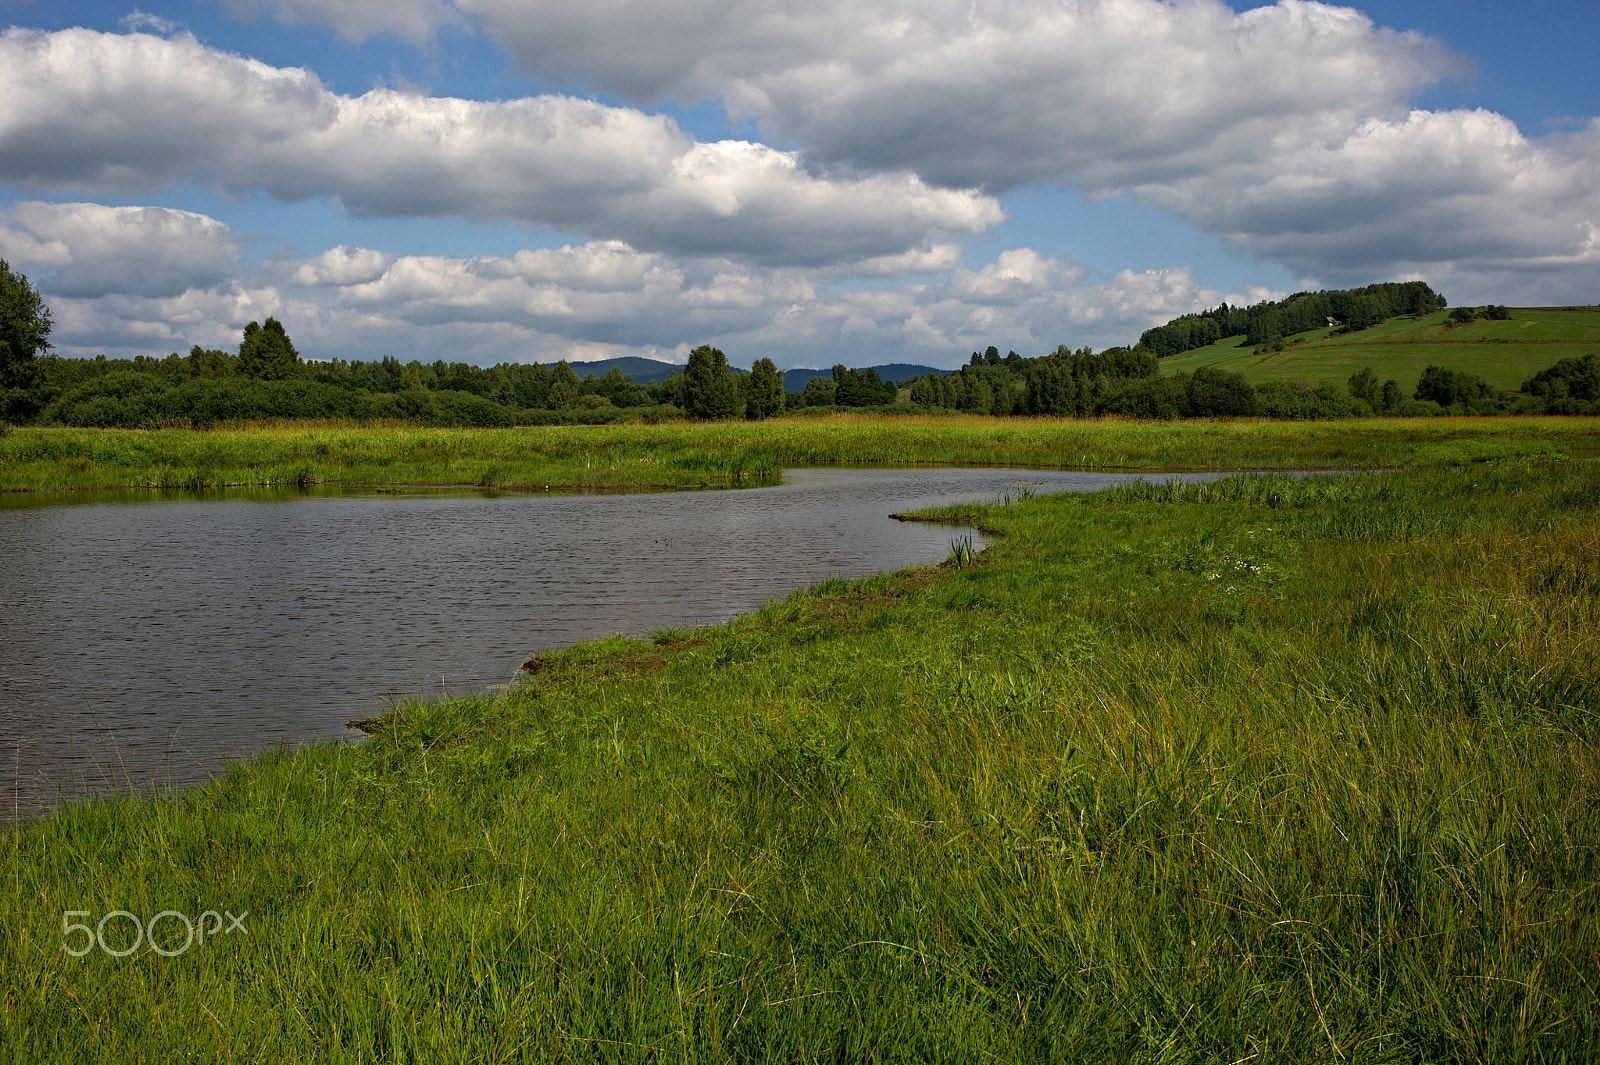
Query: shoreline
<point x="1156" y="747"/>
<point x="645" y="458"/>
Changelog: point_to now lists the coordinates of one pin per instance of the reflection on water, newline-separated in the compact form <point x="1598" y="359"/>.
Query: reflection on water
<point x="147" y="641"/>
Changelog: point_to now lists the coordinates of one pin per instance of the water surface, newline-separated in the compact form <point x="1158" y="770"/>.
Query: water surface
<point x="149" y="641"/>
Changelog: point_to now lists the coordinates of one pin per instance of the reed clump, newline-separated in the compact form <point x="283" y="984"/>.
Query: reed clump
<point x="1268" y="769"/>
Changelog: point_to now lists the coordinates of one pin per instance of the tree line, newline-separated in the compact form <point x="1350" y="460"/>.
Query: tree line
<point x="267" y="379"/>
<point x="1127" y="382"/>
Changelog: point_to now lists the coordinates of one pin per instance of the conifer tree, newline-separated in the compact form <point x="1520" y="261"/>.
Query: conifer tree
<point x="266" y="353"/>
<point x="764" y="396"/>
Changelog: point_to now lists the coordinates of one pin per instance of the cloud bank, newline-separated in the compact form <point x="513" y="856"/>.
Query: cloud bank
<point x="1287" y="130"/>
<point x="86" y="112"/>
<point x="589" y="300"/>
<point x="89" y="250"/>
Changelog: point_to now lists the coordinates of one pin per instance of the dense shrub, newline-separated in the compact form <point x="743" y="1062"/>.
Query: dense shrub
<point x="130" y="399"/>
<point x="1213" y="393"/>
<point x="1155" y="398"/>
<point x="1571" y="386"/>
<point x="1302" y="400"/>
<point x="1463" y="393"/>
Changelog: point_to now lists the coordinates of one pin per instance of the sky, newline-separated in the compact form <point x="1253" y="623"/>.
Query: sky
<point x="813" y="181"/>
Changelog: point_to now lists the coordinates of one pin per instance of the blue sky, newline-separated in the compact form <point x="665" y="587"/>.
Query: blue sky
<point x="899" y="182"/>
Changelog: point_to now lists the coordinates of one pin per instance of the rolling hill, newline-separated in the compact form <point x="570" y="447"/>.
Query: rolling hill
<point x="644" y="371"/>
<point x="1505" y="353"/>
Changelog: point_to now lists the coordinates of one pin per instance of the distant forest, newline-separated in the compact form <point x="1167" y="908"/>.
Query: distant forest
<point x="1269" y="322"/>
<point x="207" y="387"/>
<point x="267" y="379"/>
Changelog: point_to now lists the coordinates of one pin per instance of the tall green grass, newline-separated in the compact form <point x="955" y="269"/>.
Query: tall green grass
<point x="1263" y="770"/>
<point x="645" y="456"/>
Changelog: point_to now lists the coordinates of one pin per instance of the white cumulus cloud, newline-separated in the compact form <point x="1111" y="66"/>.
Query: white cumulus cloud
<point x="93" y="112"/>
<point x="1287" y="129"/>
<point x="343" y="265"/>
<point x="1102" y="93"/>
<point x="609" y="298"/>
<point x="1459" y="197"/>
<point x="144" y="325"/>
<point x="146" y="292"/>
<point x="88" y="249"/>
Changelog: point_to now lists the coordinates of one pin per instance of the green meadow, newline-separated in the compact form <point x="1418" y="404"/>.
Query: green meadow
<point x="1265" y="770"/>
<point x="673" y="454"/>
<point x="1503" y="353"/>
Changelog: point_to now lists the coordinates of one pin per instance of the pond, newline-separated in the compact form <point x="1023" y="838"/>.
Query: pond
<point x="148" y="641"/>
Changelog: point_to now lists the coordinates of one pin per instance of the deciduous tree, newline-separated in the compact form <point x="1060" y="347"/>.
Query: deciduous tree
<point x="709" y="391"/>
<point x="1214" y="393"/>
<point x="1364" y="386"/>
<point x="24" y="327"/>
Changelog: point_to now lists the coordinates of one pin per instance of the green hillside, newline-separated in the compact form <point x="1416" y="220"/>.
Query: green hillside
<point x="1504" y="353"/>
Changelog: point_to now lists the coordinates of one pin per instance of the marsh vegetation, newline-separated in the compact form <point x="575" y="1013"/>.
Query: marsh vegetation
<point x="675" y="454"/>
<point x="1269" y="769"/>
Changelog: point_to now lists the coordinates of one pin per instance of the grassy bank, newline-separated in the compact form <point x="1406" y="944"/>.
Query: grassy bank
<point x="1267" y="770"/>
<point x="662" y="455"/>
<point x="1505" y="353"/>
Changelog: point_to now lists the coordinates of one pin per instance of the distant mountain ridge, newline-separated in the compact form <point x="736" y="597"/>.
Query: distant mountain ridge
<point x="645" y="371"/>
<point x="654" y="371"/>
